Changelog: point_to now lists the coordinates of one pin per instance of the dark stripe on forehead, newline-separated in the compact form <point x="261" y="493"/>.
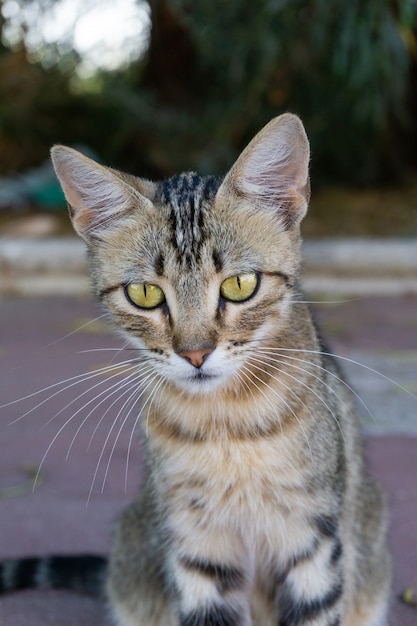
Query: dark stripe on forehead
<point x="185" y="195"/>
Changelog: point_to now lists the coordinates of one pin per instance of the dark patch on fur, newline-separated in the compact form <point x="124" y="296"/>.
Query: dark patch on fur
<point x="327" y="525"/>
<point x="186" y="195"/>
<point x="217" y="261"/>
<point x="211" y="616"/>
<point x="304" y="555"/>
<point x="337" y="552"/>
<point x="294" y="613"/>
<point x="226" y="577"/>
<point x="159" y="264"/>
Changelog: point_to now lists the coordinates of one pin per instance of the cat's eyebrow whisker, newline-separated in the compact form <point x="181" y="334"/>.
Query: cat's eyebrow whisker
<point x="323" y="369"/>
<point x="76" y="330"/>
<point x="301" y="382"/>
<point x="79" y="378"/>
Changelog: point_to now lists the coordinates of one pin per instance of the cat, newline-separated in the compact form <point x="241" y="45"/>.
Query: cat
<point x="256" y="508"/>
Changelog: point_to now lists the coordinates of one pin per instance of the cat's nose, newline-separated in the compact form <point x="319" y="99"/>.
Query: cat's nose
<point x="196" y="357"/>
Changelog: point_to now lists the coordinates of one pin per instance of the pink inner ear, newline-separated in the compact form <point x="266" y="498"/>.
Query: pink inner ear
<point x="96" y="196"/>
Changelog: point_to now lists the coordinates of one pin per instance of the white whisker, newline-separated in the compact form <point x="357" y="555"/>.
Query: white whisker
<point x="138" y="392"/>
<point x="104" y="447"/>
<point x="288" y="406"/>
<point x="348" y="360"/>
<point x="323" y="369"/>
<point x="76" y="330"/>
<point x="160" y="383"/>
<point x="116" y="388"/>
<point x="299" y="381"/>
<point x="88" y="391"/>
<point x="79" y="378"/>
<point x="140" y="378"/>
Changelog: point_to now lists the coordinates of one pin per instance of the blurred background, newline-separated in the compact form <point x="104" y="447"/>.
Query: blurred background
<point x="155" y="87"/>
<point x="159" y="86"/>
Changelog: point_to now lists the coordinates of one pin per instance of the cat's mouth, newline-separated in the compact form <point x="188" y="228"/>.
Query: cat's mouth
<point x="201" y="382"/>
<point x="202" y="376"/>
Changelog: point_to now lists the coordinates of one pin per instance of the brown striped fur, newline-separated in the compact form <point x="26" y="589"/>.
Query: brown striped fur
<point x="256" y="508"/>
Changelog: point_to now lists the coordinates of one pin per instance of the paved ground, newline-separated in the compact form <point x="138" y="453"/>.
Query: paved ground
<point x="38" y="348"/>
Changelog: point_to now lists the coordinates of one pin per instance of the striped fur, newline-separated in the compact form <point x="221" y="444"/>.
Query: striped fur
<point x="84" y="574"/>
<point x="256" y="508"/>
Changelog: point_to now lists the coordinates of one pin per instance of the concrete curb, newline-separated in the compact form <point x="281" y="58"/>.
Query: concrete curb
<point x="38" y="267"/>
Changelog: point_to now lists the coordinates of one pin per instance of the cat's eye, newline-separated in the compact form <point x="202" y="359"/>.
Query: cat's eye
<point x="145" y="295"/>
<point x="240" y="287"/>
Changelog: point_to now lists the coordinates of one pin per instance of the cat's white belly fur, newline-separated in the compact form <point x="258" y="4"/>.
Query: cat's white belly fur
<point x="258" y="498"/>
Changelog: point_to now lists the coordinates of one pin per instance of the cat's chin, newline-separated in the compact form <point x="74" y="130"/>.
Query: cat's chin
<point x="200" y="383"/>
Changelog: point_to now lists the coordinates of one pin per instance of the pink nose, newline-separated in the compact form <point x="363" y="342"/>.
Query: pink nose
<point x="196" y="357"/>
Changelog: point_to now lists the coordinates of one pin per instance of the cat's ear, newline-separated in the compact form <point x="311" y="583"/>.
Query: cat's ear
<point x="98" y="197"/>
<point x="272" y="171"/>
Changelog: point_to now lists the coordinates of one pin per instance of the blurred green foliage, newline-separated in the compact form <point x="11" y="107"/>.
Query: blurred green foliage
<point x="215" y="72"/>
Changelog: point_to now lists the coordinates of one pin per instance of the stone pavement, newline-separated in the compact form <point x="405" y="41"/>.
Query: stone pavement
<point x="376" y="336"/>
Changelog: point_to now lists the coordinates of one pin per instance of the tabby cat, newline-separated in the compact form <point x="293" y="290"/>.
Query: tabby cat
<point x="256" y="508"/>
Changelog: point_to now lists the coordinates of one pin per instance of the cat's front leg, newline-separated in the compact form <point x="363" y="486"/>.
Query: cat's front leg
<point x="313" y="590"/>
<point x="211" y="587"/>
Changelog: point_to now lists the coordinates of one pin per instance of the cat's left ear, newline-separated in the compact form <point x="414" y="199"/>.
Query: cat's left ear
<point x="272" y="171"/>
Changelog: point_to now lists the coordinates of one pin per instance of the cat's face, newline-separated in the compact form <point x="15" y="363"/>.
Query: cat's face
<point x="195" y="273"/>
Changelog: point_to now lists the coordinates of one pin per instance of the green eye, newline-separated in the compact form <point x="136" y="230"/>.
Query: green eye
<point x="240" y="287"/>
<point x="145" y="295"/>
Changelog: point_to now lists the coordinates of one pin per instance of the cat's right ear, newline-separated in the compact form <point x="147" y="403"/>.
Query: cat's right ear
<point x="98" y="197"/>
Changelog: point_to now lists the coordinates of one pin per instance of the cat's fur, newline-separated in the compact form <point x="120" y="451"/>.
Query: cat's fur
<point x="256" y="508"/>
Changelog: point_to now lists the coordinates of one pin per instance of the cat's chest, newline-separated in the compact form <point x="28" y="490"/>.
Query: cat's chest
<point x="260" y="487"/>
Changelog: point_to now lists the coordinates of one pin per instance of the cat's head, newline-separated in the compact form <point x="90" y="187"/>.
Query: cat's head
<point x="195" y="270"/>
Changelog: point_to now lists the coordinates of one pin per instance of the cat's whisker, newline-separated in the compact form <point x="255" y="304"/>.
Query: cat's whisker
<point x="288" y="406"/>
<point x="161" y="383"/>
<point x="125" y="348"/>
<point x="73" y="380"/>
<point x="114" y="389"/>
<point x="248" y="388"/>
<point x="322" y="369"/>
<point x="88" y="391"/>
<point x="132" y="399"/>
<point x="141" y="376"/>
<point x="348" y="360"/>
<point x="268" y="363"/>
<point x="76" y="330"/>
<point x="343" y="301"/>
<point x="242" y="375"/>
<point x="103" y="449"/>
<point x="135" y="396"/>
<point x="67" y="422"/>
<point x="57" y="434"/>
